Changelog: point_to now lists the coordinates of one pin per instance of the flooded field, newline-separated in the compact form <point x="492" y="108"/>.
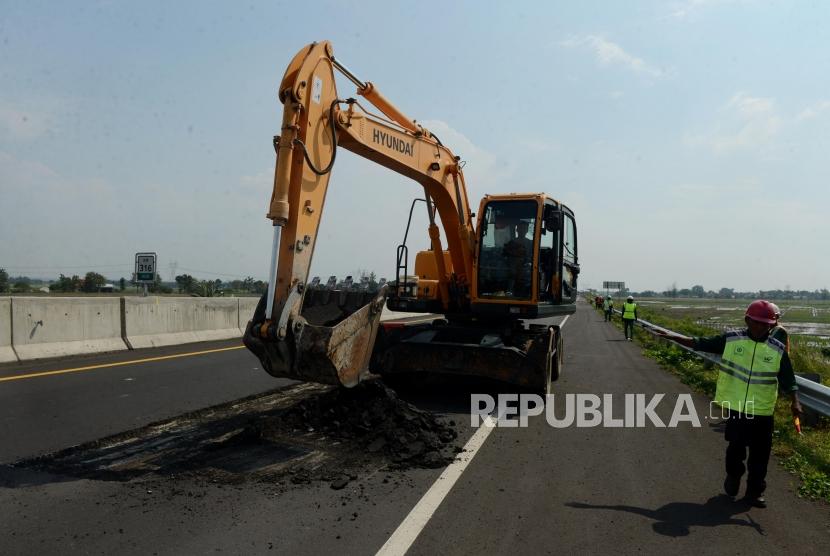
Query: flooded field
<point x="800" y="317"/>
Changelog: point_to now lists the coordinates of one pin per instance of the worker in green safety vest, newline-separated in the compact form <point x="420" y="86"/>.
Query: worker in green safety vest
<point x="608" y="307"/>
<point x="629" y="317"/>
<point x="754" y="367"/>
<point x="779" y="332"/>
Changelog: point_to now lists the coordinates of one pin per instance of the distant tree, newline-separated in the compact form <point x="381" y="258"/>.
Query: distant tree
<point x="66" y="284"/>
<point x="186" y="283"/>
<point x="685" y="292"/>
<point x="158" y="286"/>
<point x="93" y="282"/>
<point x="698" y="291"/>
<point x="248" y="283"/>
<point x="59" y="284"/>
<point x="21" y="287"/>
<point x="260" y="287"/>
<point x="122" y="284"/>
<point x="726" y="293"/>
<point x="207" y="288"/>
<point x="825" y="294"/>
<point x="4" y="280"/>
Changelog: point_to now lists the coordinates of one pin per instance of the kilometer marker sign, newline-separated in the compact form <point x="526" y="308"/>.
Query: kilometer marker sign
<point x="145" y="268"/>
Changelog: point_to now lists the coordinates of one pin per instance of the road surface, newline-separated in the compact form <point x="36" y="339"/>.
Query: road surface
<point x="537" y="489"/>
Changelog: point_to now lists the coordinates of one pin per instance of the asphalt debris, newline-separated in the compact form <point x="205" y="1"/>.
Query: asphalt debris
<point x="372" y="417"/>
<point x="291" y="438"/>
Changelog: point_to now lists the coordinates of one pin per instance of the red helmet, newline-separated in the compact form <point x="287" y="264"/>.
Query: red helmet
<point x="761" y="311"/>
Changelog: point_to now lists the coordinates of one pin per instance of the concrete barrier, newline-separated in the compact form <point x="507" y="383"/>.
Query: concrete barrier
<point x="247" y="305"/>
<point x="399" y="315"/>
<point x="163" y="321"/>
<point x="37" y="327"/>
<point x="58" y="326"/>
<point x="6" y="351"/>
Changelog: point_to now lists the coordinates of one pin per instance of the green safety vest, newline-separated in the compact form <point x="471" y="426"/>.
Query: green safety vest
<point x="748" y="378"/>
<point x="628" y="310"/>
<point x="607" y="304"/>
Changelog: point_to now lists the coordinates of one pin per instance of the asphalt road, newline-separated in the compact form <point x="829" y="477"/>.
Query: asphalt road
<point x="47" y="412"/>
<point x="537" y="489"/>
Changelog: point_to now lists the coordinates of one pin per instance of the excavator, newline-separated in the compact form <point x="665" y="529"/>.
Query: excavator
<point x="486" y="287"/>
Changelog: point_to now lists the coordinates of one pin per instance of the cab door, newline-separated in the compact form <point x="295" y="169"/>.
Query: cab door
<point x="558" y="261"/>
<point x="570" y="261"/>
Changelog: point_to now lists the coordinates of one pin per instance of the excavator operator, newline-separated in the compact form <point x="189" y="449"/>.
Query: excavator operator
<point x="518" y="253"/>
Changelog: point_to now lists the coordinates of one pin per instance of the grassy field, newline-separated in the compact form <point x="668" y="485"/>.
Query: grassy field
<point x="806" y="456"/>
<point x="808" y="317"/>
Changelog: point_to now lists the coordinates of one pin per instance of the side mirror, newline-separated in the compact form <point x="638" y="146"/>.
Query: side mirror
<point x="553" y="222"/>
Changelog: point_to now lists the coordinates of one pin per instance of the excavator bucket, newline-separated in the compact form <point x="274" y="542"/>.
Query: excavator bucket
<point x="330" y="342"/>
<point x="528" y="357"/>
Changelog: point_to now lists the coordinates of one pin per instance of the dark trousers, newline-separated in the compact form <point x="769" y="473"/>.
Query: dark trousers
<point x="755" y="434"/>
<point x="628" y="327"/>
<point x="608" y="314"/>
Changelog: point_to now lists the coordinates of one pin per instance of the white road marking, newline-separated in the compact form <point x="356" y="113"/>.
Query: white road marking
<point x="406" y="533"/>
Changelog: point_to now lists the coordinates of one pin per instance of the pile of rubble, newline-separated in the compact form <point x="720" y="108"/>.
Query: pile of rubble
<point x="372" y="417"/>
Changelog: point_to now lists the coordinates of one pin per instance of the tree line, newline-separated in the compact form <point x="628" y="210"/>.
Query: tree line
<point x="93" y="282"/>
<point x="699" y="291"/>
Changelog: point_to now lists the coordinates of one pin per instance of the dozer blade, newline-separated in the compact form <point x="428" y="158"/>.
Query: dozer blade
<point x="330" y="342"/>
<point x="530" y="359"/>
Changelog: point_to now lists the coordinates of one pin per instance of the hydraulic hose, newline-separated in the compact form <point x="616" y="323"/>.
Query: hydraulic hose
<point x="328" y="168"/>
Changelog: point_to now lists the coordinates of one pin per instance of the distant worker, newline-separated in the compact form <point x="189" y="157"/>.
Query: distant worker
<point x="608" y="307"/>
<point x="629" y="317"/>
<point x="755" y="366"/>
<point x="779" y="332"/>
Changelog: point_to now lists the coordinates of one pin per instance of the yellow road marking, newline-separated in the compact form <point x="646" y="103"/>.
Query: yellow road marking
<point x="118" y="364"/>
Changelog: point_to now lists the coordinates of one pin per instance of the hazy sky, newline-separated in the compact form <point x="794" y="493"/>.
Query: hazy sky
<point x="690" y="138"/>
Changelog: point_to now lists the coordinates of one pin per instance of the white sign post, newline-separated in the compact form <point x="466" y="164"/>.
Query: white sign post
<point x="145" y="269"/>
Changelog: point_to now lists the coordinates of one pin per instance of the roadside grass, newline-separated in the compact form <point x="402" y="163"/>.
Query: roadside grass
<point x="805" y="456"/>
<point x="808" y="358"/>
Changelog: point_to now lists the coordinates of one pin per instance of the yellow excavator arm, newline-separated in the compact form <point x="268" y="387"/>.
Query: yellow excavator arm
<point x="315" y="123"/>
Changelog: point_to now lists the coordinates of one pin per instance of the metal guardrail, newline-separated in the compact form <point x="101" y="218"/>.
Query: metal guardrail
<point x="812" y="395"/>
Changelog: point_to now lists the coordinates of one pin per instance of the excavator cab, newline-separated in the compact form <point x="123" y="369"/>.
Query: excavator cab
<point x="527" y="264"/>
<point x="527" y="258"/>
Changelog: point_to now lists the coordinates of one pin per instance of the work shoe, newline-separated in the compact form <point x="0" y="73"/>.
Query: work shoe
<point x="755" y="500"/>
<point x="731" y="485"/>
